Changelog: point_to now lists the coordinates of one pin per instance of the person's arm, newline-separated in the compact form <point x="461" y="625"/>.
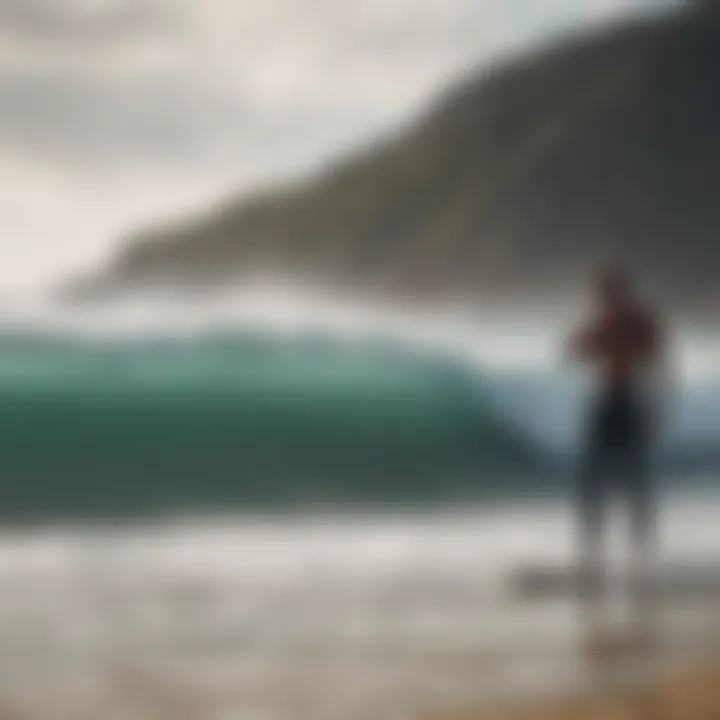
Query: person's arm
<point x="665" y="374"/>
<point x="582" y="344"/>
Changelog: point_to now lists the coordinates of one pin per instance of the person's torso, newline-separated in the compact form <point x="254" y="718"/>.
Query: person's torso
<point x="625" y="349"/>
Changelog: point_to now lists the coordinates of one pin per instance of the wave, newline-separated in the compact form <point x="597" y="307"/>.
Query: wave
<point x="127" y="427"/>
<point x="92" y="427"/>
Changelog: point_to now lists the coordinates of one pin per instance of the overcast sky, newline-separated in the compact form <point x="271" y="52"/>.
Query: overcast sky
<point x="117" y="112"/>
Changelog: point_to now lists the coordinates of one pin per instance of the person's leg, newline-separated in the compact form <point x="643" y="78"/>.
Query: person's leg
<point x="593" y="489"/>
<point x="640" y="491"/>
<point x="592" y="499"/>
<point x="643" y="575"/>
<point x="643" y="509"/>
<point x="635" y="449"/>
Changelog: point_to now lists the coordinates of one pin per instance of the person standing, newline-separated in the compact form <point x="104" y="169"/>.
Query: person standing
<point x="624" y="342"/>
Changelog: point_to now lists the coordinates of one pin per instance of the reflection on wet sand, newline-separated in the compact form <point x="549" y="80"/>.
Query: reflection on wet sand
<point x="691" y="694"/>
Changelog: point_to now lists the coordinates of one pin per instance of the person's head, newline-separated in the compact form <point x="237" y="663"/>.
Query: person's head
<point x="613" y="286"/>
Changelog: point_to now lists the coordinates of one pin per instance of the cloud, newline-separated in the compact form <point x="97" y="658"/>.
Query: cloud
<point x="166" y="123"/>
<point x="78" y="118"/>
<point x="75" y="20"/>
<point x="241" y="80"/>
<point x="112" y="111"/>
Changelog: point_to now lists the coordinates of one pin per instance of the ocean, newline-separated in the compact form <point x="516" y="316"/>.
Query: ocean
<point x="253" y="525"/>
<point x="95" y="428"/>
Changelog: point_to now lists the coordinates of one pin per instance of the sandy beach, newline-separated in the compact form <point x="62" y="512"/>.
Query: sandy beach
<point x="691" y="694"/>
<point x="389" y="618"/>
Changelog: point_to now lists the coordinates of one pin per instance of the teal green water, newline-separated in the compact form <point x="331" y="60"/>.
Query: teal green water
<point x="90" y="428"/>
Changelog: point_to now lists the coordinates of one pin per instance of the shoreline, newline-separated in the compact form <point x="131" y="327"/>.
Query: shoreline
<point x="688" y="693"/>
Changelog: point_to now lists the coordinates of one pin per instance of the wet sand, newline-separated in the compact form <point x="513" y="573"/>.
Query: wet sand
<point x="690" y="694"/>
